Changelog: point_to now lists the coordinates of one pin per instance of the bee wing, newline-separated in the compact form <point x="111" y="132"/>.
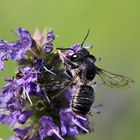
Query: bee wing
<point x="114" y="80"/>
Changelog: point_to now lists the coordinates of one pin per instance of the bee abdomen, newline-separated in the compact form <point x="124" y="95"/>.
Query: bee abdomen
<point x="83" y="99"/>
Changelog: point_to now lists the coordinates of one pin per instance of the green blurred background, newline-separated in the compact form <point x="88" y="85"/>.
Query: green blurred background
<point x="115" y="33"/>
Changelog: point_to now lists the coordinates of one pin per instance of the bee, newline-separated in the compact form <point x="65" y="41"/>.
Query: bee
<point x="81" y="68"/>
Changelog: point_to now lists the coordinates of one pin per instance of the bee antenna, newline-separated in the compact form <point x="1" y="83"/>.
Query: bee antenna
<point x="85" y="38"/>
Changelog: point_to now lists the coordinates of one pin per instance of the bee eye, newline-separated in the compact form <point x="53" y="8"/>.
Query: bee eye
<point x="74" y="57"/>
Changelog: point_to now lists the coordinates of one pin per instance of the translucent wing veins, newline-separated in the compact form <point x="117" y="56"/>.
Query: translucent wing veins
<point x="114" y="80"/>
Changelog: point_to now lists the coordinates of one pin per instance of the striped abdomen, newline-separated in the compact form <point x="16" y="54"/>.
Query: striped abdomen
<point x="83" y="99"/>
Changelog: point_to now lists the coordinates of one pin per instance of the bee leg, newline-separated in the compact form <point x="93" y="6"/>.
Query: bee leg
<point x="66" y="87"/>
<point x="68" y="73"/>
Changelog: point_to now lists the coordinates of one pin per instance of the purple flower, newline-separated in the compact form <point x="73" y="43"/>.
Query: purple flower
<point x="71" y="123"/>
<point x="4" y="99"/>
<point x="44" y="40"/>
<point x="8" y="91"/>
<point x="36" y="101"/>
<point x="50" y="36"/>
<point x="23" y="133"/>
<point x="10" y="119"/>
<point x="29" y="75"/>
<point x="21" y="46"/>
<point x="15" y="106"/>
<point x="25" y="84"/>
<point x="74" y="48"/>
<point x="17" y="49"/>
<point x="24" y="116"/>
<point x="1" y="64"/>
<point x="28" y="82"/>
<point x="40" y="66"/>
<point x="16" y="115"/>
<point x="5" y="52"/>
<point x="12" y="86"/>
<point x="48" y="128"/>
<point x="48" y="47"/>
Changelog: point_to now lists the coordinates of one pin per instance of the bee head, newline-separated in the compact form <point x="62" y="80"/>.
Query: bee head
<point x="81" y="55"/>
<point x="75" y="55"/>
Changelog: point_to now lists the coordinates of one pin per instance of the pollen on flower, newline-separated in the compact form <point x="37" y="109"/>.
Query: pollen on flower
<point x="27" y="101"/>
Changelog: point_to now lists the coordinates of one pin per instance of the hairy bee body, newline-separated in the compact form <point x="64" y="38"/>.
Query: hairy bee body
<point x="88" y="71"/>
<point x="81" y="68"/>
<point x="83" y="99"/>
